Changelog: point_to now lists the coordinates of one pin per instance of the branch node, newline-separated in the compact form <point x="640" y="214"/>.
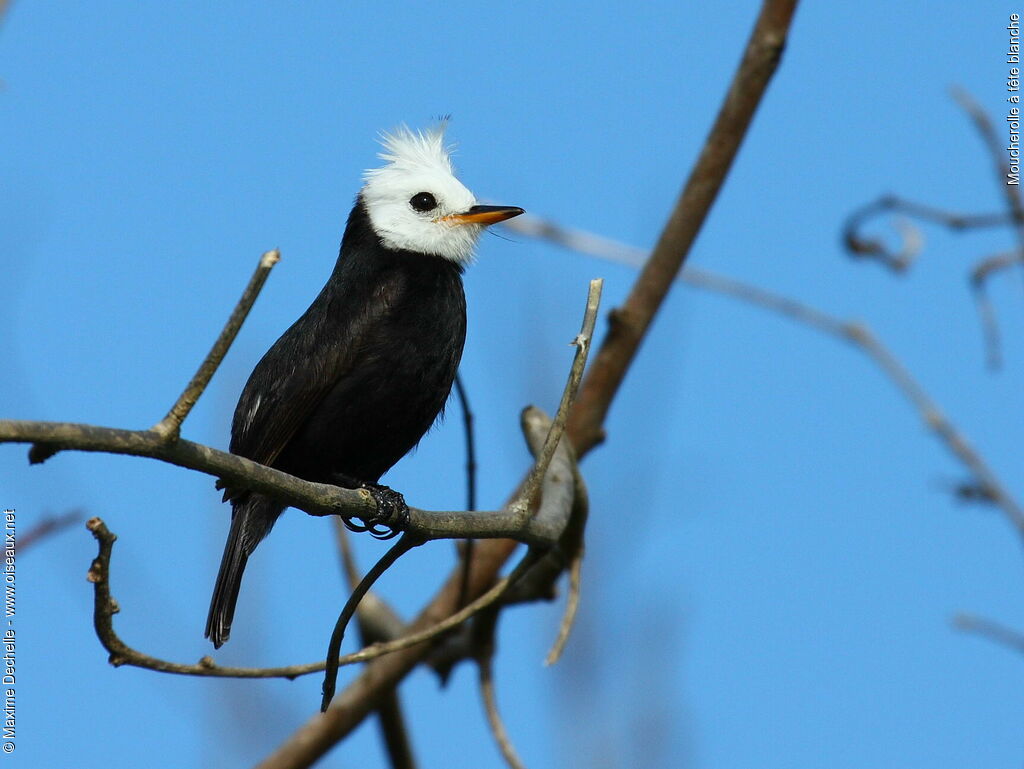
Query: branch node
<point x="168" y="429"/>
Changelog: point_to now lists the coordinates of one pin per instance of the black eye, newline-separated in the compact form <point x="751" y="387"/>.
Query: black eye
<point x="423" y="201"/>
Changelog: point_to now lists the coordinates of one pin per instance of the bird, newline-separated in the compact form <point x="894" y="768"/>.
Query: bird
<point x="354" y="384"/>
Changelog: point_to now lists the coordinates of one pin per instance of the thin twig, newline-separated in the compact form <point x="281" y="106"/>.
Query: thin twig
<point x="467" y="422"/>
<point x="400" y="548"/>
<point x="979" y="278"/>
<point x="860" y="336"/>
<point x="1010" y="192"/>
<point x="466" y="551"/>
<point x="169" y="428"/>
<point x="531" y="488"/>
<point x="390" y="716"/>
<point x="572" y="604"/>
<point x="377" y="620"/>
<point x="484" y="662"/>
<point x="105" y="607"/>
<point x="899" y="260"/>
<point x="858" y="245"/>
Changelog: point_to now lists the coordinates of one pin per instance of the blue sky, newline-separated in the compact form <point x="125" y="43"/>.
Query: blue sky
<point x="773" y="557"/>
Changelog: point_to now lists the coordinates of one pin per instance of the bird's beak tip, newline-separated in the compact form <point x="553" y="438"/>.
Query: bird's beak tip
<point x="484" y="215"/>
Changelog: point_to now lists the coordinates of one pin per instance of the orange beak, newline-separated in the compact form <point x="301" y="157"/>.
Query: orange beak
<point x="483" y="215"/>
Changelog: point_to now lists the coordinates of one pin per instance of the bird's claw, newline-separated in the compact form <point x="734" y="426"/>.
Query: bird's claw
<point x="392" y="514"/>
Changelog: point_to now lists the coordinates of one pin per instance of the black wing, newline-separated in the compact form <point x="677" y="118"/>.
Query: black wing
<point x="305" y="364"/>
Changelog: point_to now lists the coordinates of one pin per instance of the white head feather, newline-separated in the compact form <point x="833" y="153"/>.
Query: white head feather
<point x="419" y="162"/>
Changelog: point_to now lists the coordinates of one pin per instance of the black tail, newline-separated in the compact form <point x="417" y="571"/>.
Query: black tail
<point x="252" y="518"/>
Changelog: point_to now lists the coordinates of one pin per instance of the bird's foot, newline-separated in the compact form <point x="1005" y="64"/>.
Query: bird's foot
<point x="392" y="514"/>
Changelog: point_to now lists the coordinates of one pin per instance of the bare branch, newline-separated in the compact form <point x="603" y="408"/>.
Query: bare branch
<point x="313" y="498"/>
<point x="170" y="426"/>
<point x="105" y="607"/>
<point x="390" y="716"/>
<point x="630" y="322"/>
<point x="572" y="604"/>
<point x="467" y="421"/>
<point x="378" y="621"/>
<point x="939" y="424"/>
<point x="848" y="331"/>
<point x="531" y="488"/>
<point x="565" y="499"/>
<point x="465" y="553"/>
<point x="979" y="278"/>
<point x="860" y="246"/>
<point x="508" y="751"/>
<point x="400" y="548"/>
<point x="900" y="259"/>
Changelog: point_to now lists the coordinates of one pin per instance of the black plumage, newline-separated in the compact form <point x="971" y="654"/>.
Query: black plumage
<point x="349" y="389"/>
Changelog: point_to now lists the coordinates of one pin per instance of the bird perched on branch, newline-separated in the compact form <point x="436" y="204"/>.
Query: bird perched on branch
<point x="355" y="383"/>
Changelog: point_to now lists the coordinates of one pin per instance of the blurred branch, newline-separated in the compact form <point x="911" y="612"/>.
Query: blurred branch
<point x="390" y="717"/>
<point x="1011" y="192"/>
<point x="860" y="246"/>
<point x="467" y="422"/>
<point x="47" y="526"/>
<point x="986" y="311"/>
<point x="858" y="334"/>
<point x="629" y="323"/>
<point x="760" y="59"/>
<point x="465" y="553"/>
<point x="572" y="603"/>
<point x="396" y="551"/>
<point x="484" y="660"/>
<point x="990" y="629"/>
<point x="899" y="260"/>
